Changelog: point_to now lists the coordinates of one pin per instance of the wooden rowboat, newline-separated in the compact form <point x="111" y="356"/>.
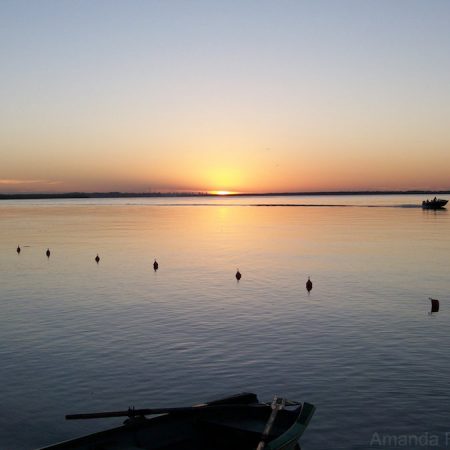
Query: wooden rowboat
<point x="239" y="422"/>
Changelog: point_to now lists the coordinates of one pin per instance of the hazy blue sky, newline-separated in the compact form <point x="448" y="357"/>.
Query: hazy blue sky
<point x="230" y="95"/>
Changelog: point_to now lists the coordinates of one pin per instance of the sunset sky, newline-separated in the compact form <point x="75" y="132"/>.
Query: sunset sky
<point x="246" y="96"/>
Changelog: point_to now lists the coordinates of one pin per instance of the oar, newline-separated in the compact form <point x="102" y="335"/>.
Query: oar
<point x="131" y="412"/>
<point x="277" y="404"/>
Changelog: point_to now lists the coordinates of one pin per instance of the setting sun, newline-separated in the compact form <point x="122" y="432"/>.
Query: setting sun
<point x="222" y="192"/>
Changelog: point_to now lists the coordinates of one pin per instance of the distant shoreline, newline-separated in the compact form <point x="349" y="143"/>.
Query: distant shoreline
<point x="79" y="195"/>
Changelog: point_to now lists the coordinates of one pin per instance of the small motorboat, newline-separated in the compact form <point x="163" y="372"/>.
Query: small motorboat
<point x="239" y="422"/>
<point x="436" y="203"/>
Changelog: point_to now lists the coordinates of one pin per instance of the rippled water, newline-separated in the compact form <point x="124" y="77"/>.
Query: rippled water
<point x="76" y="336"/>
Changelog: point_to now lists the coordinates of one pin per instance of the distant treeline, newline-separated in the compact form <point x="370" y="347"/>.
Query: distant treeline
<point x="101" y="195"/>
<point x="69" y="195"/>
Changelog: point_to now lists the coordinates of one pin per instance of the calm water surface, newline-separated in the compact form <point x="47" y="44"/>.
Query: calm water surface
<point x="76" y="336"/>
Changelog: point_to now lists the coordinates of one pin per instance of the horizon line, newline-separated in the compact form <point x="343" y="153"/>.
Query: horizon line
<point x="118" y="194"/>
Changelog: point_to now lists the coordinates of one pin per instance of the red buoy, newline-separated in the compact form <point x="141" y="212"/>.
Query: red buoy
<point x="309" y="285"/>
<point x="434" y="305"/>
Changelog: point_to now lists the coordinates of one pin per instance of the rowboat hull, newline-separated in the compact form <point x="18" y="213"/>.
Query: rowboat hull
<point x="215" y="425"/>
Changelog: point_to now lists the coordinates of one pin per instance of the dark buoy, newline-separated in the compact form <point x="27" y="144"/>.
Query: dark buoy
<point x="434" y="305"/>
<point x="155" y="265"/>
<point x="238" y="275"/>
<point x="97" y="259"/>
<point x="309" y="285"/>
<point x="18" y="249"/>
<point x="48" y="253"/>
